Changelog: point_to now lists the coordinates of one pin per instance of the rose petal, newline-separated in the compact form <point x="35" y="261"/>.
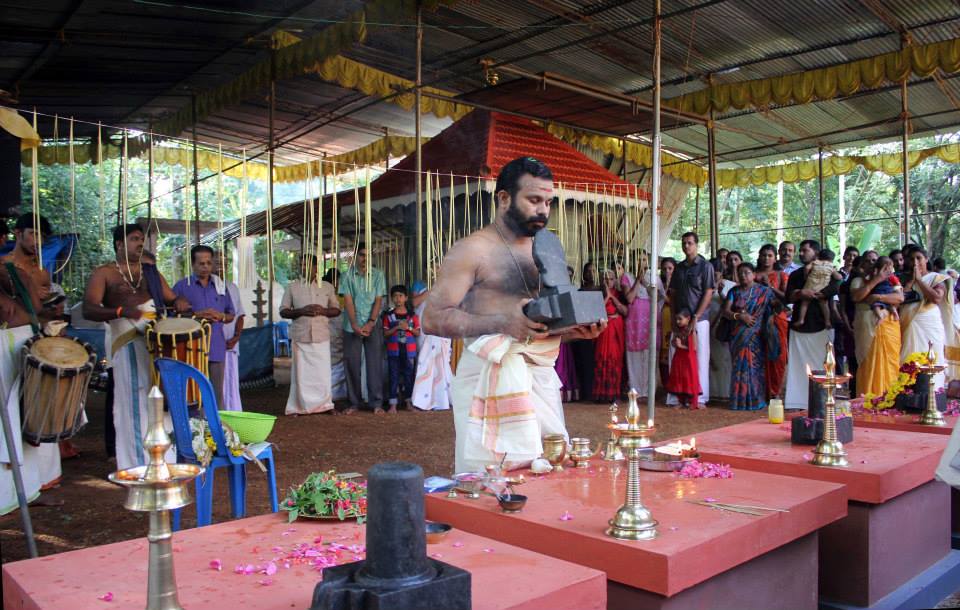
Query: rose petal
<point x="674" y="528"/>
<point x="216" y="564"/>
<point x="709" y="499"/>
<point x="249" y="569"/>
<point x="807" y="457"/>
<point x="436" y="555"/>
<point x="266" y="582"/>
<point x="566" y="516"/>
<point x="488" y="550"/>
<point x="106" y="597"/>
<point x="271" y="569"/>
<point x="457" y="545"/>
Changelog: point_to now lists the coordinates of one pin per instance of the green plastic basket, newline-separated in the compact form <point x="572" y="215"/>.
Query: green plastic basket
<point x="250" y="427"/>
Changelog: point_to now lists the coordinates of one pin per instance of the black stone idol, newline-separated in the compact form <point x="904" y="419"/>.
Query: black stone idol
<point x="397" y="574"/>
<point x="560" y="305"/>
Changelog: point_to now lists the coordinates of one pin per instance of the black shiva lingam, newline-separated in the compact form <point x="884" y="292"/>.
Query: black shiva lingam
<point x="560" y="305"/>
<point x="397" y="574"/>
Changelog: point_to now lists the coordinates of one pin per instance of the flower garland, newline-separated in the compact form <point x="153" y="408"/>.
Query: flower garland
<point x="904" y="381"/>
<point x="204" y="447"/>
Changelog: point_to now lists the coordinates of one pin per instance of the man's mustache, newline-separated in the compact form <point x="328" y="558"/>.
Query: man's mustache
<point x="540" y="218"/>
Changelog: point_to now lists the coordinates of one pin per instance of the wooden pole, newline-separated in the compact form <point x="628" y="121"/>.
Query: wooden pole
<point x="905" y="137"/>
<point x="842" y="213"/>
<point x="196" y="170"/>
<point x="696" y="212"/>
<point x="270" y="144"/>
<point x="418" y="96"/>
<point x="712" y="176"/>
<point x="654" y="213"/>
<point x="823" y="227"/>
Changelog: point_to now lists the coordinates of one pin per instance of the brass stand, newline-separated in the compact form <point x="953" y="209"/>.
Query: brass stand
<point x="932" y="416"/>
<point x="158" y="488"/>
<point x="633" y="520"/>
<point x="829" y="451"/>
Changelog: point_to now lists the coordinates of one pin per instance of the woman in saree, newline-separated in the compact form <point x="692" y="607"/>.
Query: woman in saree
<point x="769" y="274"/>
<point x="749" y="306"/>
<point x="719" y="362"/>
<point x="876" y="342"/>
<point x="608" y="372"/>
<point x="667" y="265"/>
<point x="926" y="316"/>
<point x="637" y="295"/>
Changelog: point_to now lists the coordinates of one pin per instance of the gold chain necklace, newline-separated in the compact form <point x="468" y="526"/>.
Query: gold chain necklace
<point x="515" y="261"/>
<point x="129" y="282"/>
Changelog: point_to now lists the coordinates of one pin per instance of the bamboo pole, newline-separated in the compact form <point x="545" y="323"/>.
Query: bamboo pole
<point x="904" y="147"/>
<point x="823" y="228"/>
<point x="270" y="144"/>
<point x="712" y="180"/>
<point x="654" y="211"/>
<point x="196" y="166"/>
<point x="418" y="97"/>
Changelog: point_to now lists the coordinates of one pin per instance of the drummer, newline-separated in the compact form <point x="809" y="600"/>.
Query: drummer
<point x="40" y="465"/>
<point x="120" y="293"/>
<point x="26" y="268"/>
<point x="210" y="301"/>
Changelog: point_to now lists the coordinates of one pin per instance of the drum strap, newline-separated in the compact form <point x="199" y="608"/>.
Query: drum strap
<point x="21" y="291"/>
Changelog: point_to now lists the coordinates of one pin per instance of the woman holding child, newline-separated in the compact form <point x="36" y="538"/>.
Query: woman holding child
<point x="875" y="325"/>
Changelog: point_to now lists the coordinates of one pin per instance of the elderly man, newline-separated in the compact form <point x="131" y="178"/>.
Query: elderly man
<point x="209" y="301"/>
<point x="808" y="341"/>
<point x="786" y="252"/>
<point x="119" y="293"/>
<point x="691" y="287"/>
<point x="506" y="393"/>
<point x="310" y="304"/>
<point x="363" y="332"/>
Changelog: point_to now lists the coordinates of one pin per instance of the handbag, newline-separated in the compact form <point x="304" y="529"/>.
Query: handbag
<point x="723" y="332"/>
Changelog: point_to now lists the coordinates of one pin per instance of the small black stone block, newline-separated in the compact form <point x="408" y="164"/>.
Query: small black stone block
<point x="809" y="431"/>
<point x="917" y="399"/>
<point x="449" y="590"/>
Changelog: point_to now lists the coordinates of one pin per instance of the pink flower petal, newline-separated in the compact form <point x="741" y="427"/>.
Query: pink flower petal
<point x="436" y="555"/>
<point x="488" y="550"/>
<point x="457" y="545"/>
<point x="271" y="569"/>
<point x="216" y="564"/>
<point x="566" y="516"/>
<point x="266" y="582"/>
<point x="807" y="457"/>
<point x="106" y="597"/>
<point x="863" y="461"/>
<point x="709" y="499"/>
<point x="674" y="528"/>
<point x="238" y="569"/>
<point x="249" y="569"/>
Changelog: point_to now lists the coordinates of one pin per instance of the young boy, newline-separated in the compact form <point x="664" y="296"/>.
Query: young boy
<point x="401" y="327"/>
<point x="819" y="274"/>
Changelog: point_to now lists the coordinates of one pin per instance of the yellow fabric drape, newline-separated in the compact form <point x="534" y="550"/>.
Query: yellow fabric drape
<point x="17" y="126"/>
<point x="835" y="165"/>
<point x="370" y="81"/>
<point x="639" y="154"/>
<point x="824" y="83"/>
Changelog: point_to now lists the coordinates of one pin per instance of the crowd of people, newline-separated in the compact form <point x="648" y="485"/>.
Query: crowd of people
<point x="744" y="333"/>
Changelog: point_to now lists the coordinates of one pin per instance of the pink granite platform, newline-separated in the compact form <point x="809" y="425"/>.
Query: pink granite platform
<point x="904" y="423"/>
<point x="503" y="576"/>
<point x="567" y="513"/>
<point x="899" y="521"/>
<point x="883" y="463"/>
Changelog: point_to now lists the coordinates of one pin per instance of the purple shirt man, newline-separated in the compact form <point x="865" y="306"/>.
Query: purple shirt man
<point x="202" y="297"/>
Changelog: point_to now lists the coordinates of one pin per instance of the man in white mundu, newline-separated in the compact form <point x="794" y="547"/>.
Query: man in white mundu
<point x="506" y="393"/>
<point x="123" y="294"/>
<point x="310" y="304"/>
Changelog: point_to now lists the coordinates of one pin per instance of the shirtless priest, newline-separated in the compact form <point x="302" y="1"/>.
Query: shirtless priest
<point x="121" y="294"/>
<point x="505" y="394"/>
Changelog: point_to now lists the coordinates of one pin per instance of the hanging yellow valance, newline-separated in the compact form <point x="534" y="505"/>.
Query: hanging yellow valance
<point x="208" y="162"/>
<point x="835" y="165"/>
<point x="376" y="83"/>
<point x="637" y="153"/>
<point x="825" y="83"/>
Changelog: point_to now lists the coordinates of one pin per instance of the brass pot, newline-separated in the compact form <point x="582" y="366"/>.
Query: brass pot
<point x="580" y="453"/>
<point x="555" y="450"/>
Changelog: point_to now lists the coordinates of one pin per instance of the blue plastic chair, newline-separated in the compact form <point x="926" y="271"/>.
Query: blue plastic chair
<point x="281" y="338"/>
<point x="174" y="376"/>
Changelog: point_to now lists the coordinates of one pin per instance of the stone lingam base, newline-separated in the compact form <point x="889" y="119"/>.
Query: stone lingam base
<point x="809" y="431"/>
<point x="396" y="574"/>
<point x="341" y="588"/>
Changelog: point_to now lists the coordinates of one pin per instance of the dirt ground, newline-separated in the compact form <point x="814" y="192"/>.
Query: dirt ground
<point x="92" y="510"/>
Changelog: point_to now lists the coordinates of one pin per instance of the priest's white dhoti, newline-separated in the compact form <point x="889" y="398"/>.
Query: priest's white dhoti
<point x="506" y="395"/>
